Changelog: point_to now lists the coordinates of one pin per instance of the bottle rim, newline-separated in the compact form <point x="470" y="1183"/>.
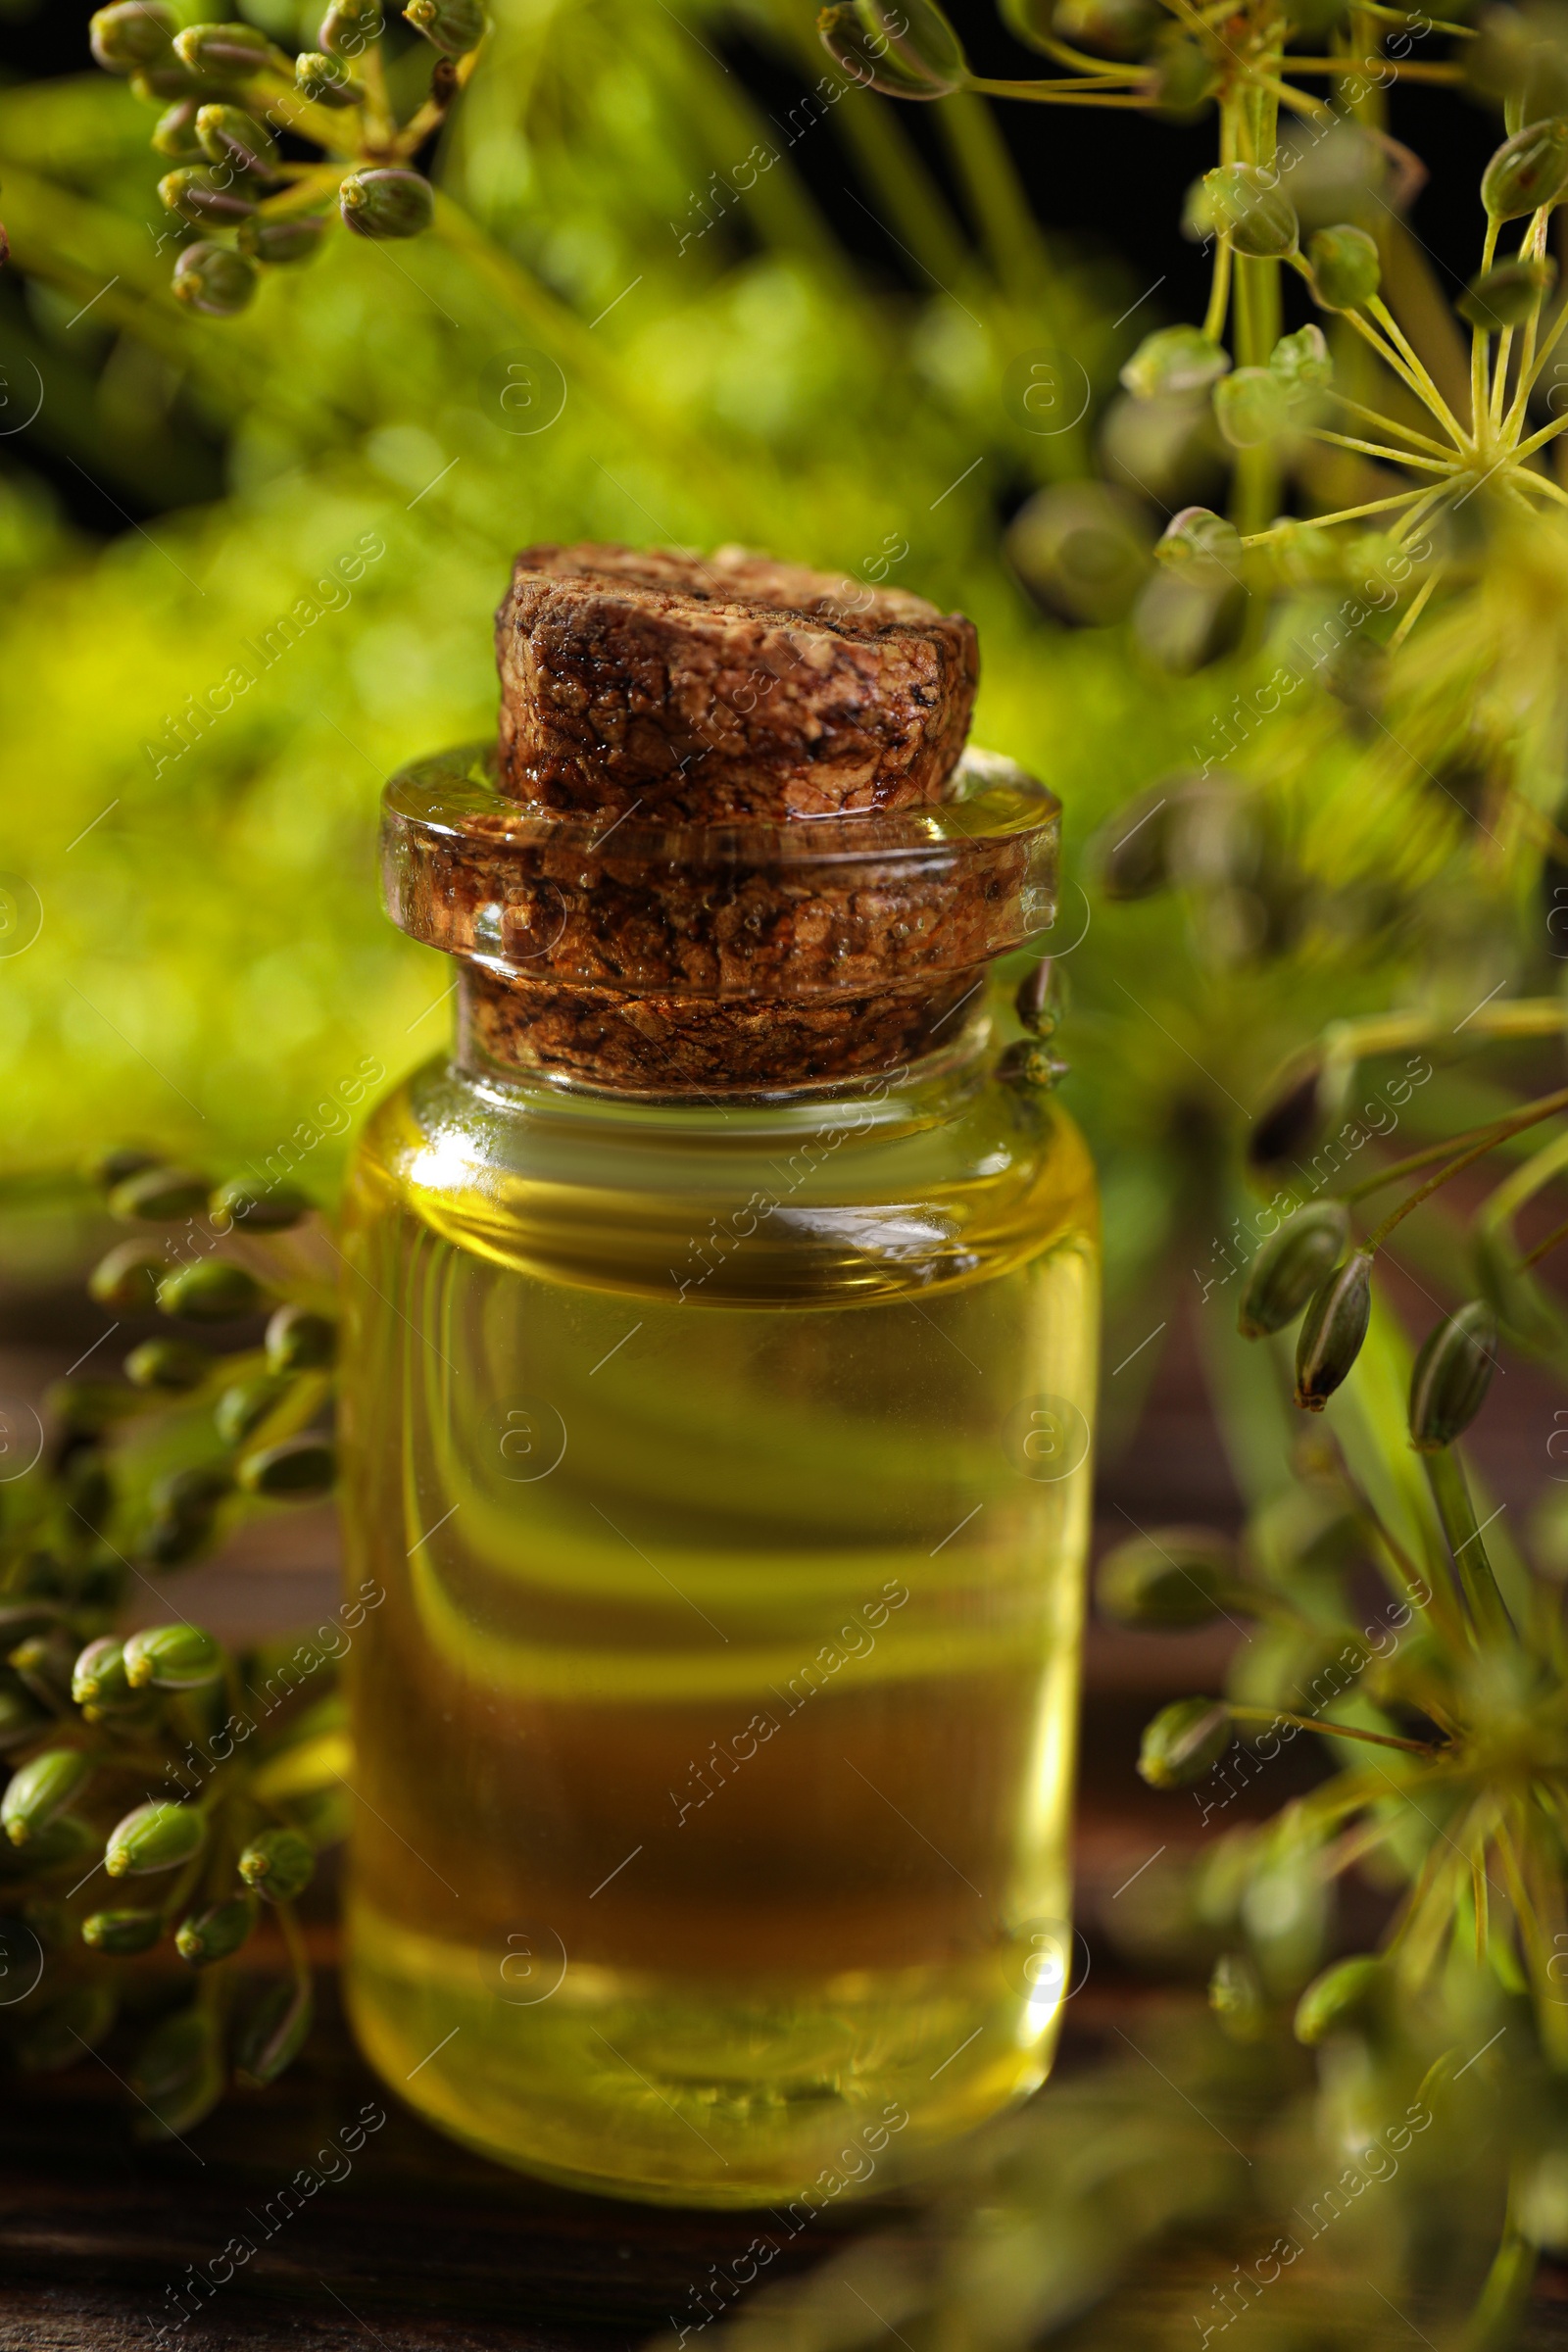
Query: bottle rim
<point x="831" y="906"/>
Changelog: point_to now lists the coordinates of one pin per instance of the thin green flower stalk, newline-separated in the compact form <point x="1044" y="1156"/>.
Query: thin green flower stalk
<point x="1303" y="1116"/>
<point x="166" y="1798"/>
<point x="1239" y="60"/>
<point x="1455" y="1366"/>
<point x="1269" y="394"/>
<point x="1491" y="449"/>
<point x="1303" y="1112"/>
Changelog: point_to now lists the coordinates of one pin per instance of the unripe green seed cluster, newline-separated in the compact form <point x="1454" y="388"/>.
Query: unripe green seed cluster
<point x="172" y="1657"/>
<point x="41" y="1790"/>
<point x="1246" y="204"/>
<point x="1291" y="1265"/>
<point x="903" y="50"/>
<point x="133" y="34"/>
<point x="1451" y="1376"/>
<point x="89" y="1718"/>
<point x="1183" y="1742"/>
<point x="1526" y="172"/>
<point x="454" y="27"/>
<point x="153" y="1837"/>
<point x="1169" y="1577"/>
<point x="1345" y="271"/>
<point x="1333" y="1330"/>
<point x="217" y="1932"/>
<point x="279" y="1864"/>
<point x="226" y="93"/>
<point x="1509" y="295"/>
<point x="274" y="2034"/>
<point x="214" y="280"/>
<point x="386" y="201"/>
<point x="122" y="1934"/>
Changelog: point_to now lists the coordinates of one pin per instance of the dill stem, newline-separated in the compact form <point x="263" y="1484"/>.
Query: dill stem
<point x="1431" y="400"/>
<point x="1450" y="1492"/>
<point x="1218" y="291"/>
<point x="298" y="1958"/>
<point x="1498" y="1130"/>
<point x="1478" y="343"/>
<point x="1373" y="449"/>
<point x="1390" y="425"/>
<point x="1377" y="506"/>
<point x="1418" y="606"/>
<point x="1332" y="1731"/>
<point x="1545" y="1248"/>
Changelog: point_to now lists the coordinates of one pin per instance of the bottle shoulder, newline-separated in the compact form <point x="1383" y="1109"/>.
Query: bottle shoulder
<point x="821" y="1202"/>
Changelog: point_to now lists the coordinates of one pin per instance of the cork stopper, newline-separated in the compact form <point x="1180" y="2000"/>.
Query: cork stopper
<point x="729" y="839"/>
<point x="724" y="685"/>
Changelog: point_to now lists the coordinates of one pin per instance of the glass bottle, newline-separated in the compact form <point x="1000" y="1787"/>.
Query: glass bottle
<point x="719" y="1381"/>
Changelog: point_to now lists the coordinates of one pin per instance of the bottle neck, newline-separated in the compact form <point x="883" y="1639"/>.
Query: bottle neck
<point x="697" y="1049"/>
<point x="946" y="1065"/>
<point x="715" y="960"/>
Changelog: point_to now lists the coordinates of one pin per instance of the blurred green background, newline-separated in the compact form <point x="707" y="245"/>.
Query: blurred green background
<point x="832" y="362"/>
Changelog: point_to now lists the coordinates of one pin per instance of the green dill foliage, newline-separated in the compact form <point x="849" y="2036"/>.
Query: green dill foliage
<point x="1444" y="1702"/>
<point x="226" y="92"/>
<point x="166" y="1800"/>
<point x="1361" y="2141"/>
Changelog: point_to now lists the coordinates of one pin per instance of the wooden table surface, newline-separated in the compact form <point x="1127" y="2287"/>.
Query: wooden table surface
<point x="421" y="2246"/>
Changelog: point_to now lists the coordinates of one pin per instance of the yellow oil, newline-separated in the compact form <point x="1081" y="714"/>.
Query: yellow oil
<point x="726" y="1474"/>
